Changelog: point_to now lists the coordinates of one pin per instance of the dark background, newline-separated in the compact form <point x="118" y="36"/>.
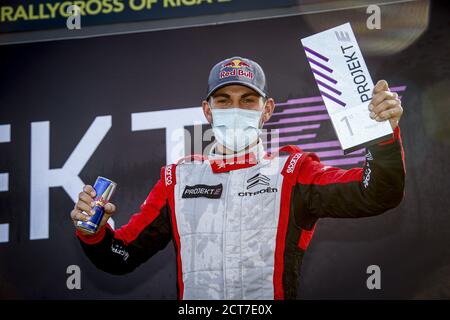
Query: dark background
<point x="70" y="82"/>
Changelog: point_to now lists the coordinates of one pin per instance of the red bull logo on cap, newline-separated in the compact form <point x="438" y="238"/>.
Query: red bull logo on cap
<point x="236" y="65"/>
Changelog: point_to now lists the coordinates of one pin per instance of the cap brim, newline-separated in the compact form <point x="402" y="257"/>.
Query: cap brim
<point x="242" y="83"/>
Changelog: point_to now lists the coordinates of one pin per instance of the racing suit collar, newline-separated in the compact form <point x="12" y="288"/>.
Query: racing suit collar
<point x="243" y="159"/>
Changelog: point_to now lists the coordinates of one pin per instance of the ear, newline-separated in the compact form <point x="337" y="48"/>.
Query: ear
<point x="207" y="111"/>
<point x="268" y="110"/>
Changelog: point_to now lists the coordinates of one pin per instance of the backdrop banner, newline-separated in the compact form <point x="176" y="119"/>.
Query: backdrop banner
<point x="113" y="106"/>
<point x="27" y="15"/>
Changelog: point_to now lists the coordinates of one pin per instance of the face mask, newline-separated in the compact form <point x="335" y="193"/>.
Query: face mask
<point x="236" y="128"/>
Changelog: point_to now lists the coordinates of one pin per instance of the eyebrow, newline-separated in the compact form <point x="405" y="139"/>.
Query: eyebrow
<point x="225" y="95"/>
<point x="245" y="95"/>
<point x="216" y="95"/>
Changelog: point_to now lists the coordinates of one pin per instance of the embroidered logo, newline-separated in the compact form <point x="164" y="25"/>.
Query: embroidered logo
<point x="203" y="190"/>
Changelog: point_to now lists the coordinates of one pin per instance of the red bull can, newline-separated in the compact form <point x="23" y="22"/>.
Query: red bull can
<point x="104" y="189"/>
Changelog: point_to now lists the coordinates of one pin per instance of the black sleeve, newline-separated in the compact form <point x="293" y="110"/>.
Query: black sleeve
<point x="117" y="257"/>
<point x="121" y="251"/>
<point x="326" y="191"/>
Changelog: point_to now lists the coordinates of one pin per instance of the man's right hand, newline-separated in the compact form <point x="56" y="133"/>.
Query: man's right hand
<point x="85" y="204"/>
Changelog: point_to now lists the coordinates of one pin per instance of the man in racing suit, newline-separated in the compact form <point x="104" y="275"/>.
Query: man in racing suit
<point x="240" y="218"/>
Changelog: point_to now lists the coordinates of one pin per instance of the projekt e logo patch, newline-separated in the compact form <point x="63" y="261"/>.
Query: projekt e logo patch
<point x="203" y="190"/>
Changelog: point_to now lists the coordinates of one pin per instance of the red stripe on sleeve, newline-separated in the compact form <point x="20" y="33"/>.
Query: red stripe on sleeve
<point x="315" y="172"/>
<point x="305" y="238"/>
<point x="95" y="238"/>
<point x="395" y="137"/>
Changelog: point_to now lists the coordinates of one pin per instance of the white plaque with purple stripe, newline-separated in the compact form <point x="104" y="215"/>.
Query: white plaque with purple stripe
<point x="345" y="86"/>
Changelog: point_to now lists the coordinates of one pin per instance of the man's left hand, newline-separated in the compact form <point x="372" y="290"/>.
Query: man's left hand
<point x="385" y="105"/>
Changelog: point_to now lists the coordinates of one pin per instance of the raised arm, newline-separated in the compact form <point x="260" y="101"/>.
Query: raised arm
<point x="121" y="251"/>
<point x="360" y="192"/>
